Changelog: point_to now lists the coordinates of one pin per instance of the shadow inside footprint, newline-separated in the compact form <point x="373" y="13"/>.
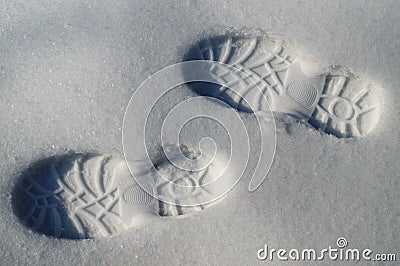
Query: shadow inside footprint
<point x="79" y="196"/>
<point x="218" y="49"/>
<point x="38" y="202"/>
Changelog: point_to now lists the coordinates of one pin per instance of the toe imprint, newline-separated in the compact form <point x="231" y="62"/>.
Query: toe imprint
<point x="256" y="61"/>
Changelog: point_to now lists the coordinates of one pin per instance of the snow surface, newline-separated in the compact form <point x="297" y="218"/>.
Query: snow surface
<point x="69" y="68"/>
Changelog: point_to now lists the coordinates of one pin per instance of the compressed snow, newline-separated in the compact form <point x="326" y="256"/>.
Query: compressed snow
<point x="69" y="68"/>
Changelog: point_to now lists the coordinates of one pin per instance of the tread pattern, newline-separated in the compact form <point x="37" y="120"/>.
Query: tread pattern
<point x="345" y="110"/>
<point x="264" y="67"/>
<point x="77" y="197"/>
<point x="327" y="101"/>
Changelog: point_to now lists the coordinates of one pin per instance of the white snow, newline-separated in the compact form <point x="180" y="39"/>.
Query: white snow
<point x="69" y="68"/>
